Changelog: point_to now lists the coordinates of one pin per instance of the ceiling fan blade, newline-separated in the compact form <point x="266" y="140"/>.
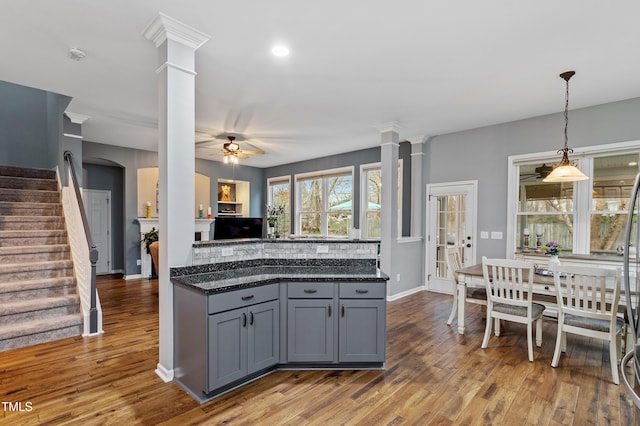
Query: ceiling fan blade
<point x="252" y="151"/>
<point x="240" y="154"/>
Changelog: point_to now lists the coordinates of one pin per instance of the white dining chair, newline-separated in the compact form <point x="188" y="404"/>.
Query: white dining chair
<point x="588" y="305"/>
<point x="454" y="264"/>
<point x="478" y="295"/>
<point x="509" y="297"/>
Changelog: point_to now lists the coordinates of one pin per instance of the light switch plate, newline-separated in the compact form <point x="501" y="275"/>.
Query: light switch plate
<point x="496" y="235"/>
<point x="484" y="235"/>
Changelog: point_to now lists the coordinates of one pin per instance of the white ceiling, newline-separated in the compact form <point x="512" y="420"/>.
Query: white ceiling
<point x="432" y="66"/>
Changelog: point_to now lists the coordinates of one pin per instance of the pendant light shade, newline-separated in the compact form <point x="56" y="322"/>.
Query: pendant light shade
<point x="565" y="171"/>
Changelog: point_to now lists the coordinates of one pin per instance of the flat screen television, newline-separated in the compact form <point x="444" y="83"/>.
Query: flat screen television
<point x="231" y="228"/>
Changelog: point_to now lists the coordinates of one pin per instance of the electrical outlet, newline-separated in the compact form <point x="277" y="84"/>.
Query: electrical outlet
<point x="138" y="262"/>
<point x="227" y="251"/>
<point x="322" y="249"/>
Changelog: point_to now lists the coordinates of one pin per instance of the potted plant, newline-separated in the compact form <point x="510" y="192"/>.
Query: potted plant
<point x="149" y="237"/>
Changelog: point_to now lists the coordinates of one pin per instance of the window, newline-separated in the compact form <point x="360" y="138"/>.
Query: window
<point x="586" y="217"/>
<point x="371" y="205"/>
<point x="325" y="203"/>
<point x="613" y="179"/>
<point x="279" y="195"/>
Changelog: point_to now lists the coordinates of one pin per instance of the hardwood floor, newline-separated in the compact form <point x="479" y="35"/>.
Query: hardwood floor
<point x="433" y="376"/>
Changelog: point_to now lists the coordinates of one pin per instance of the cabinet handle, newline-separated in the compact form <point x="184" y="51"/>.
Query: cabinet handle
<point x="244" y="319"/>
<point x="329" y="310"/>
<point x="251" y="318"/>
<point x="343" y="311"/>
<point x="310" y="290"/>
<point x="361" y="291"/>
<point x="249" y="297"/>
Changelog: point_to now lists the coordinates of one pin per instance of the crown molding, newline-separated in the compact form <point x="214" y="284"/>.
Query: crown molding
<point x="163" y="28"/>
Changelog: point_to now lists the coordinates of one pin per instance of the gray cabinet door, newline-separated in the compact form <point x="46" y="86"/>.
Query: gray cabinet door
<point x="310" y="330"/>
<point x="362" y="330"/>
<point x="227" y="347"/>
<point x="263" y="335"/>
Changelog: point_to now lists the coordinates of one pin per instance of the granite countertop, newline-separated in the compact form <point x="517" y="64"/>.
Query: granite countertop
<point x="320" y="240"/>
<point x="233" y="279"/>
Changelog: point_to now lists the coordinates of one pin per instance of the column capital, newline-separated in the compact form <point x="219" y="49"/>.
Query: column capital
<point x="417" y="139"/>
<point x="76" y="118"/>
<point x="164" y="27"/>
<point x="392" y="126"/>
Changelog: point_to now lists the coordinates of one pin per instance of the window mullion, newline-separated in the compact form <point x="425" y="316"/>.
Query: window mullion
<point x="582" y="209"/>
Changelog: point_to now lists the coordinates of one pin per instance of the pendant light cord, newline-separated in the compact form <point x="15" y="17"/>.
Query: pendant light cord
<point x="566" y="117"/>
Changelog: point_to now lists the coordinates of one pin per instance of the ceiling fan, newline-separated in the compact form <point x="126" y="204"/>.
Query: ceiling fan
<point x="540" y="172"/>
<point x="231" y="149"/>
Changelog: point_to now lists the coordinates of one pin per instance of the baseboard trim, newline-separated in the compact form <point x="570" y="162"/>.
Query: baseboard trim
<point x="165" y="374"/>
<point x="406" y="293"/>
<point x="132" y="277"/>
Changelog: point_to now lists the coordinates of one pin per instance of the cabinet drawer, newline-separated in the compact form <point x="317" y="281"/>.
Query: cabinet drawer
<point x="363" y="290"/>
<point x="243" y="297"/>
<point x="310" y="290"/>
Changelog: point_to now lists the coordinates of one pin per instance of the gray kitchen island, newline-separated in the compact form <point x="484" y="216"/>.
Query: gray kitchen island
<point x="235" y="321"/>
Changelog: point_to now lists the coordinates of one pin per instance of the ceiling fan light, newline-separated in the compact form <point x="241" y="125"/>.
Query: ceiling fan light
<point x="232" y="146"/>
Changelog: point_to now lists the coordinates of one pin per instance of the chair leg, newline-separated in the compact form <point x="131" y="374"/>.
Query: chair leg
<point x="559" y="338"/>
<point x="613" y="359"/>
<point x="564" y="342"/>
<point x="530" y="341"/>
<point x="539" y="332"/>
<point x="497" y="326"/>
<point x="487" y="331"/>
<point x="454" y="307"/>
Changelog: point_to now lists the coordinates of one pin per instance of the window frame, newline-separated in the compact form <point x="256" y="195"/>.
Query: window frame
<point x="324" y="175"/>
<point x="364" y="198"/>
<point x="279" y="180"/>
<point x="582" y="196"/>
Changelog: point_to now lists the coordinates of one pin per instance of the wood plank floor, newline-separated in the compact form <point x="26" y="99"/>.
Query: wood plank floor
<point x="433" y="376"/>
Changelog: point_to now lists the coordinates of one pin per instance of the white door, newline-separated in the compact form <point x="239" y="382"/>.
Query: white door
<point x="451" y="222"/>
<point x="97" y="204"/>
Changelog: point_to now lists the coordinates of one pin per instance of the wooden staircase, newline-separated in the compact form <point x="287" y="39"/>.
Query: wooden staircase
<point x="38" y="296"/>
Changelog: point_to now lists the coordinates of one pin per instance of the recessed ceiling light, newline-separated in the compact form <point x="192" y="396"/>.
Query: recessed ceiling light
<point x="77" y="54"/>
<point x="280" y="51"/>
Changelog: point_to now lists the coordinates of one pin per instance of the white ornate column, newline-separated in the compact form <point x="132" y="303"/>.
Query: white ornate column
<point x="389" y="153"/>
<point x="176" y="44"/>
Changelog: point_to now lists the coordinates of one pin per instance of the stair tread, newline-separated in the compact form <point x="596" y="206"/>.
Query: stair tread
<point x="39" y="326"/>
<point x="33" y="233"/>
<point x="44" y="248"/>
<point x="7" y="287"/>
<point x="8" y="308"/>
<point x="36" y="266"/>
<point x="27" y="172"/>
<point x="18" y="218"/>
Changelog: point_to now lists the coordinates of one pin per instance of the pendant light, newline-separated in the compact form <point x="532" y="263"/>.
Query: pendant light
<point x="565" y="171"/>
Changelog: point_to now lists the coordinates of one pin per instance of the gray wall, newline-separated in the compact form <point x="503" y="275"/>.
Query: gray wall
<point x="354" y="158"/>
<point x="481" y="154"/>
<point x="130" y="160"/>
<point x="31" y="126"/>
<point x="110" y="178"/>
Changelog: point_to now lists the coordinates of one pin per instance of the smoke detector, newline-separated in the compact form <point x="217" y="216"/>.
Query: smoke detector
<point x="77" y="54"/>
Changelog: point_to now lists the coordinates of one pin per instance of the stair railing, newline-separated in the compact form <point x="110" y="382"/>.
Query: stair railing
<point x="93" y="251"/>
